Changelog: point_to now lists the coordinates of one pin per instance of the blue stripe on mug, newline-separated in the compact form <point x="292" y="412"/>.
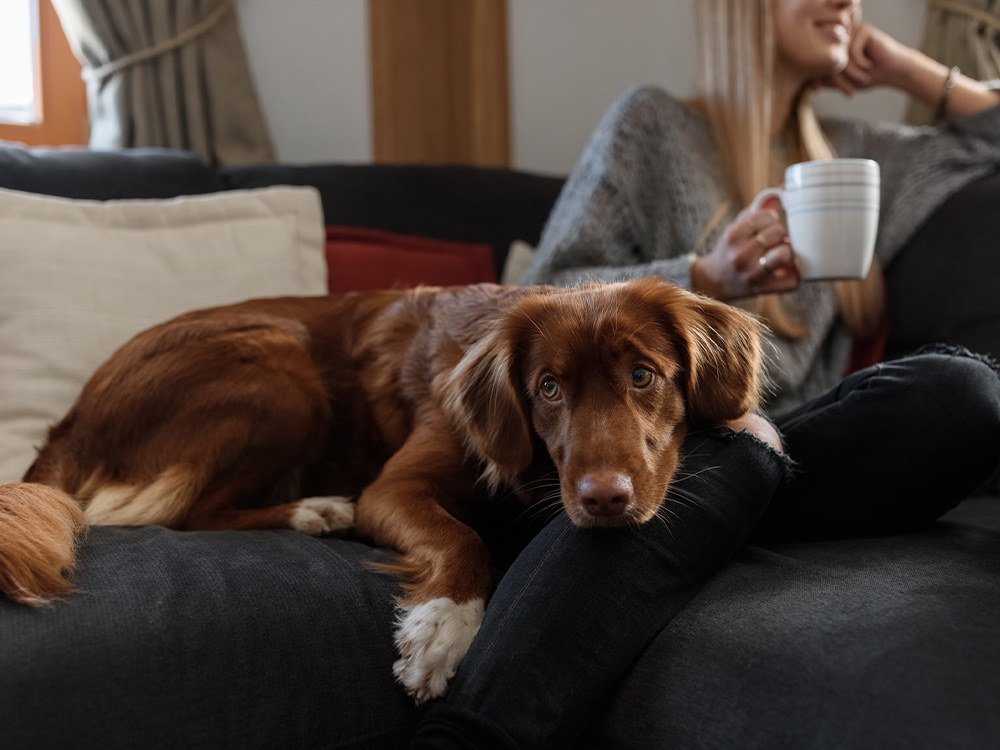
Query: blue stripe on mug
<point x="836" y="207"/>
<point x="803" y="185"/>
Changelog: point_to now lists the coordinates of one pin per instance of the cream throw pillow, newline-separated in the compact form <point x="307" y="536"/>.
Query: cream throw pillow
<point x="518" y="258"/>
<point x="79" y="278"/>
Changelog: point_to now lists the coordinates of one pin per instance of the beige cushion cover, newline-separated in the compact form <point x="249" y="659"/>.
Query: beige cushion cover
<point x="518" y="258"/>
<point x="79" y="278"/>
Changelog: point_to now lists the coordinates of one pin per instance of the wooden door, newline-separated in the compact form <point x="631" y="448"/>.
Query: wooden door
<point x="439" y="81"/>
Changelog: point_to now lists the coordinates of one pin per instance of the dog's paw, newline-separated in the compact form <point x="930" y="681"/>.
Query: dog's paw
<point x="323" y="515"/>
<point x="432" y="638"/>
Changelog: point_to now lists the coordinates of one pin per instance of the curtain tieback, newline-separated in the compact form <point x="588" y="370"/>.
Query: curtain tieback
<point x="207" y="23"/>
<point x="967" y="9"/>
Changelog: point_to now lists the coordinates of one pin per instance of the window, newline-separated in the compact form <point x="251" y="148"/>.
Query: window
<point x="43" y="100"/>
<point x="18" y="39"/>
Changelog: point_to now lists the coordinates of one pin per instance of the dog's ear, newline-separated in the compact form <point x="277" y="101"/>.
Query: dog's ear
<point x="485" y="403"/>
<point x="724" y="352"/>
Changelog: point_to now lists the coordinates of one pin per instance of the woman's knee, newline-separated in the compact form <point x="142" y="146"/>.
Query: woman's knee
<point x="957" y="396"/>
<point x="741" y="457"/>
<point x="758" y="426"/>
<point x="965" y="387"/>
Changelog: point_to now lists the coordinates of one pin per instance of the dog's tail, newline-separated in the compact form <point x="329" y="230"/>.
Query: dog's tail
<point x="39" y="527"/>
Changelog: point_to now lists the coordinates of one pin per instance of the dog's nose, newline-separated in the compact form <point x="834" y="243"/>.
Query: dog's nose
<point x="605" y="494"/>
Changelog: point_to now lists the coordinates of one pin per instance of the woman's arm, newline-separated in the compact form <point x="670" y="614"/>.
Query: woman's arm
<point x="921" y="166"/>
<point x="876" y="59"/>
<point x="602" y="226"/>
<point x="949" y="94"/>
<point x="637" y="201"/>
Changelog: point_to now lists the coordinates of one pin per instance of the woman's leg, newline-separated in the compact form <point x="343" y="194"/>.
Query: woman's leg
<point x="889" y="449"/>
<point x="578" y="606"/>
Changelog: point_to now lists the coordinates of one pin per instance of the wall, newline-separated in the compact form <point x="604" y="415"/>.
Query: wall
<point x="309" y="59"/>
<point x="568" y="60"/>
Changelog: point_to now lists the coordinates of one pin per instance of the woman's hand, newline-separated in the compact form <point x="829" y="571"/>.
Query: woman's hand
<point x="753" y="256"/>
<point x="757" y="426"/>
<point x="875" y="59"/>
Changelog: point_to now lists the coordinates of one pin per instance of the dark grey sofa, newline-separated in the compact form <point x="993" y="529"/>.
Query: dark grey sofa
<point x="277" y="640"/>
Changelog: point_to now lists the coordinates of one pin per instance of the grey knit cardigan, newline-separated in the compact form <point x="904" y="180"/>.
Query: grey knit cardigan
<point x="650" y="179"/>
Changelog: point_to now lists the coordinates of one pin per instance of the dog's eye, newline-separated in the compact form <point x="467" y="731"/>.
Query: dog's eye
<point x="641" y="377"/>
<point x="550" y="388"/>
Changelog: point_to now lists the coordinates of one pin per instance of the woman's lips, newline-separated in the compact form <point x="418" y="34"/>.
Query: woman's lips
<point x="835" y="30"/>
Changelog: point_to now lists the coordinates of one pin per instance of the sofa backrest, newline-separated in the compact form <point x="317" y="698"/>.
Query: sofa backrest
<point x="463" y="204"/>
<point x="459" y="203"/>
<point x="105" y="175"/>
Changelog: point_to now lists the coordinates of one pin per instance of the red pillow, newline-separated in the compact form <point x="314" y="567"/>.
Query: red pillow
<point x="359" y="259"/>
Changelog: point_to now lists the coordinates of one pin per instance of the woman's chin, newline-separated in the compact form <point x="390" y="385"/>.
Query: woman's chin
<point x="839" y="63"/>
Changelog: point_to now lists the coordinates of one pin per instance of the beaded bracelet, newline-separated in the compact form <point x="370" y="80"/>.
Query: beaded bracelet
<point x="949" y="84"/>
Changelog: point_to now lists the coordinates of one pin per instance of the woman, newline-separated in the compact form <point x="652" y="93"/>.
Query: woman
<point x="658" y="191"/>
<point x="658" y="188"/>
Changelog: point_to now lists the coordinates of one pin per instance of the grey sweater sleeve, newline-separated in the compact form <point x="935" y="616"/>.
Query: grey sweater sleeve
<point x="608" y="222"/>
<point x="921" y="166"/>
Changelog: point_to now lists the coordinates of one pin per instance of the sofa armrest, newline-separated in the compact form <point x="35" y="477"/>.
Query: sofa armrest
<point x="945" y="284"/>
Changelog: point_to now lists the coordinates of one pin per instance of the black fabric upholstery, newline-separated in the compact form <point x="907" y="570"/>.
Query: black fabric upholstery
<point x="466" y="204"/>
<point x="877" y="643"/>
<point x="944" y="286"/>
<point x="257" y="639"/>
<point x="105" y="175"/>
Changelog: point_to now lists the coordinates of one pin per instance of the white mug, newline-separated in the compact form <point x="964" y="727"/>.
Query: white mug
<point x="831" y="211"/>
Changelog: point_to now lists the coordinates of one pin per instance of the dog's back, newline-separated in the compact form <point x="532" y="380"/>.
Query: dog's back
<point x="184" y="401"/>
<point x="241" y="380"/>
<point x="224" y="418"/>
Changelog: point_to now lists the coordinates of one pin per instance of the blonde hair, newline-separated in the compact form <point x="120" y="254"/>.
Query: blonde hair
<point x="738" y="54"/>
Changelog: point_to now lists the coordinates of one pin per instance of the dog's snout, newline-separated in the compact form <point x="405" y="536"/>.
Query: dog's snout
<point x="605" y="494"/>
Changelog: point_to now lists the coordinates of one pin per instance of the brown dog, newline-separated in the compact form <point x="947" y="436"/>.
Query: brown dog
<point x="227" y="418"/>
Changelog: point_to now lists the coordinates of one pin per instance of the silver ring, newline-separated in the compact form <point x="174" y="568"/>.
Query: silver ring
<point x="762" y="260"/>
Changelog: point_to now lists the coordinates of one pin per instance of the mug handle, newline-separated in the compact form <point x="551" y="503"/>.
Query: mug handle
<point x="763" y="195"/>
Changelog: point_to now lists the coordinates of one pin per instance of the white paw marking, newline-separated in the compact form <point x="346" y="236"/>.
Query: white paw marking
<point x="432" y="638"/>
<point x="323" y="515"/>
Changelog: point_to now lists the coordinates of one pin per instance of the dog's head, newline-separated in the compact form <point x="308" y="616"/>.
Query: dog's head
<point x="610" y="377"/>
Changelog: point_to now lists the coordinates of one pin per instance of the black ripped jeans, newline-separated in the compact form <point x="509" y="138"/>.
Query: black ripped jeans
<point x="889" y="449"/>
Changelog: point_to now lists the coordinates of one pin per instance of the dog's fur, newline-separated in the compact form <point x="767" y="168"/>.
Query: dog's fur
<point x="226" y="418"/>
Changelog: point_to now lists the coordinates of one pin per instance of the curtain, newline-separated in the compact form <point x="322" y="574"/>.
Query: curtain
<point x="170" y="73"/>
<point x="965" y="33"/>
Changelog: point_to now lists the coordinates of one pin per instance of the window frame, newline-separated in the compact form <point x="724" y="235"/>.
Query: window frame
<point x="15" y="115"/>
<point x="62" y="105"/>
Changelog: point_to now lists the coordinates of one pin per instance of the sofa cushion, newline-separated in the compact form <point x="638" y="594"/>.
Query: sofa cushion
<point x="359" y="259"/>
<point x="81" y="277"/>
<point x="888" y="642"/>
<point x="101" y="175"/>
<point x="214" y="639"/>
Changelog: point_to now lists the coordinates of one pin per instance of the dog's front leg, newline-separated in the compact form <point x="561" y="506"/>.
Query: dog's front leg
<point x="445" y="565"/>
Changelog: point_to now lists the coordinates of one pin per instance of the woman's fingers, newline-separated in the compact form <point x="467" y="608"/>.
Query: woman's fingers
<point x="777" y="261"/>
<point x="858" y="52"/>
<point x="763" y="254"/>
<point x="748" y="223"/>
<point x="856" y="76"/>
<point x="752" y="256"/>
<point x="751" y="249"/>
<point x="776" y="272"/>
<point x="839" y="81"/>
